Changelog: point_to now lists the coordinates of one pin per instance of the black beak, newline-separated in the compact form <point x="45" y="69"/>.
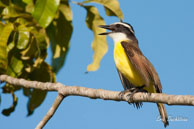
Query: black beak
<point x="108" y="27"/>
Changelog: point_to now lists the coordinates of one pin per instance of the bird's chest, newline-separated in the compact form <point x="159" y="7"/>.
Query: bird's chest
<point x="124" y="65"/>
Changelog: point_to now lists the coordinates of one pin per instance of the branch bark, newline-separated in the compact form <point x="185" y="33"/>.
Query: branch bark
<point x="100" y="93"/>
<point x="65" y="91"/>
<point x="51" y="112"/>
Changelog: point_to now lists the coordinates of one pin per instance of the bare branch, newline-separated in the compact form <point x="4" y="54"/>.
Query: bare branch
<point x="100" y="93"/>
<point x="51" y="112"/>
<point x="64" y="91"/>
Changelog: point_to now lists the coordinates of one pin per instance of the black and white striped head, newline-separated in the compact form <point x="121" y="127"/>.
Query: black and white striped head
<point x="119" y="31"/>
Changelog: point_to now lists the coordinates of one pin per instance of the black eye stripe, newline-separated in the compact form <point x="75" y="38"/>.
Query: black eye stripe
<point x="118" y="25"/>
<point x="128" y="29"/>
<point x="129" y="26"/>
<point x="123" y="28"/>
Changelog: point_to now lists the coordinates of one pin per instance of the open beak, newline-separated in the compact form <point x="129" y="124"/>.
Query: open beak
<point x="108" y="27"/>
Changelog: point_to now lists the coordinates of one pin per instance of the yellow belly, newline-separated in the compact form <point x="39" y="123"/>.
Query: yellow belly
<point x="126" y="68"/>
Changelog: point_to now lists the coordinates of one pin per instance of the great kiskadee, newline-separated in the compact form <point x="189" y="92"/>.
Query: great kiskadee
<point x="134" y="69"/>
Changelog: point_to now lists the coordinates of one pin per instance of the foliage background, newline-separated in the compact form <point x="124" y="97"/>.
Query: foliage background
<point x="165" y="31"/>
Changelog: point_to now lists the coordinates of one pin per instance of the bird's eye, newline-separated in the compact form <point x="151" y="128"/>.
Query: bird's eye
<point x="118" y="25"/>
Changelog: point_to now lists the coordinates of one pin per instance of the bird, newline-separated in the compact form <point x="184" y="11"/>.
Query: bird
<point x="136" y="72"/>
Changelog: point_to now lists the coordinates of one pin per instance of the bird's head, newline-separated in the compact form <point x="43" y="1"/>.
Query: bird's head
<point x="119" y="31"/>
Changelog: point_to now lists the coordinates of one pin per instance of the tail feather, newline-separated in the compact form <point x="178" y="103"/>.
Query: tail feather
<point x="163" y="114"/>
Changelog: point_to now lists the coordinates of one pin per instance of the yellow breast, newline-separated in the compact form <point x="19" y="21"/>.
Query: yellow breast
<point x="125" y="67"/>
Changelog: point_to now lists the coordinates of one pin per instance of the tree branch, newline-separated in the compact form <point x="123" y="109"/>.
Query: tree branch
<point x="65" y="91"/>
<point x="51" y="112"/>
<point x="100" y="93"/>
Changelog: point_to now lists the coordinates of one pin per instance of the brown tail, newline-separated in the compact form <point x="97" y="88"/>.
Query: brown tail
<point x="163" y="114"/>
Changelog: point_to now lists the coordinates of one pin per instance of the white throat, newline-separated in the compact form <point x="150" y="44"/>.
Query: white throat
<point x="118" y="37"/>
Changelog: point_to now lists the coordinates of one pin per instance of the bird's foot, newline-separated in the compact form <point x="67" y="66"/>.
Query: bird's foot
<point x="130" y="93"/>
<point x="127" y="91"/>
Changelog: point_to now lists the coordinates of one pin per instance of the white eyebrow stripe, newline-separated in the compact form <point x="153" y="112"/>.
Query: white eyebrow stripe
<point x="124" y="25"/>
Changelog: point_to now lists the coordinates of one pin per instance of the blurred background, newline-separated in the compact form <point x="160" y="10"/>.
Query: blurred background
<point x="165" y="30"/>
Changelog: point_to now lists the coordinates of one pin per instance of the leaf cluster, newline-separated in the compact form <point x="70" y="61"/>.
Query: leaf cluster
<point x="28" y="27"/>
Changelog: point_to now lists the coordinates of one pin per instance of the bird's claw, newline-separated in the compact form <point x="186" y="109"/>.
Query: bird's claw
<point x="130" y="93"/>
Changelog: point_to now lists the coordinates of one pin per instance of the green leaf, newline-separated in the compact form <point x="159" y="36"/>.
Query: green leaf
<point x="99" y="44"/>
<point x="5" y="31"/>
<point x="30" y="6"/>
<point x="43" y="74"/>
<point x="2" y="6"/>
<point x="37" y="48"/>
<point x="8" y="88"/>
<point x="25" y="21"/>
<point x="27" y="1"/>
<point x="30" y="51"/>
<point x="60" y="35"/>
<point x="15" y="67"/>
<point x="45" y="11"/>
<point x="36" y="99"/>
<point x="5" y="2"/>
<point x="23" y="37"/>
<point x="27" y="92"/>
<point x="38" y="45"/>
<point x="10" y="12"/>
<point x="19" y="3"/>
<point x="112" y="7"/>
<point x="41" y="38"/>
<point x="11" y="109"/>
<point x="10" y="46"/>
<point x="109" y="12"/>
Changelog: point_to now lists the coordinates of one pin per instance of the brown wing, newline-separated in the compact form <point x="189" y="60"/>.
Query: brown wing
<point x="125" y="82"/>
<point x="127" y="85"/>
<point x="142" y="64"/>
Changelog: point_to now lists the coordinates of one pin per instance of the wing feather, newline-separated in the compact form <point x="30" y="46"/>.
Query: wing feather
<point x="142" y="64"/>
<point x="125" y="82"/>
